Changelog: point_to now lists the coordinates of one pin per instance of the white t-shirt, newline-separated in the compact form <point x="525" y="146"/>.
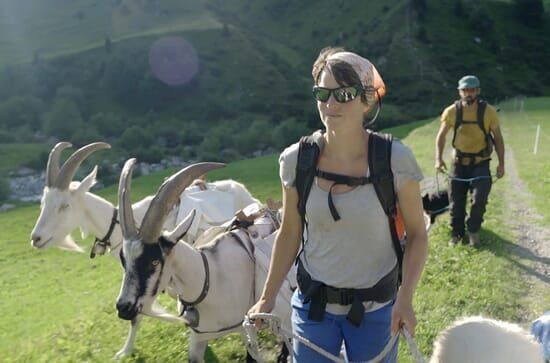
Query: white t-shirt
<point x="355" y="251"/>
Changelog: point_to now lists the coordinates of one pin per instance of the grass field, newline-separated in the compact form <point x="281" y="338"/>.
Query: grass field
<point x="31" y="27"/>
<point x="14" y="155"/>
<point x="59" y="306"/>
<point x="520" y="131"/>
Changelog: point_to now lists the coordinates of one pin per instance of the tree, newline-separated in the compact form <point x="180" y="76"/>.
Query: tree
<point x="85" y="135"/>
<point x="108" y="124"/>
<point x="71" y="93"/>
<point x="63" y="119"/>
<point x="135" y="137"/>
<point x="529" y="12"/>
<point x="458" y="8"/>
<point x="289" y="131"/>
<point x="21" y="110"/>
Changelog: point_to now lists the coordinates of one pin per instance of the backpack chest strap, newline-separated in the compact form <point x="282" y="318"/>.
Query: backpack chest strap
<point x="351" y="181"/>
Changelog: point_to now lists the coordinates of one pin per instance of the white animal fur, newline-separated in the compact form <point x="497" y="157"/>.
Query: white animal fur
<point x="482" y="340"/>
<point x="232" y="286"/>
<point x="63" y="211"/>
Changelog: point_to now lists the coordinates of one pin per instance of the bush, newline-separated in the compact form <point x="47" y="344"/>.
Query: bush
<point x="135" y="137"/>
<point x="289" y="131"/>
<point x="108" y="124"/>
<point x="38" y="161"/>
<point x="63" y="119"/>
<point x="4" y="190"/>
<point x="85" y="136"/>
<point x="6" y="137"/>
<point x="529" y="12"/>
<point x="148" y="154"/>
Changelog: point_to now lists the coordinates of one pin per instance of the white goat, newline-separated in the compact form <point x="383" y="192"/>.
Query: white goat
<point x="482" y="340"/>
<point x="67" y="205"/>
<point x="215" y="283"/>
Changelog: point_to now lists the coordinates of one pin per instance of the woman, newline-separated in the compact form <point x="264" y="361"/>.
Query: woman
<point x="355" y="251"/>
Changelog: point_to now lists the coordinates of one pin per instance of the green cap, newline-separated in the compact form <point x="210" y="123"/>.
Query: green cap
<point x="468" y="82"/>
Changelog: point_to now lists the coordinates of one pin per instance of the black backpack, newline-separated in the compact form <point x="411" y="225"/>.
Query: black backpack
<point x="485" y="152"/>
<point x="381" y="176"/>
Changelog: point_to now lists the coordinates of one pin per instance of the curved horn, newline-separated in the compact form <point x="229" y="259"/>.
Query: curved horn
<point x="68" y="169"/>
<point x="127" y="222"/>
<point x="52" y="168"/>
<point x="166" y="197"/>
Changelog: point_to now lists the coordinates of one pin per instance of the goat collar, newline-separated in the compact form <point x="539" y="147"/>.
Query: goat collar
<point x="101" y="244"/>
<point x="205" y="287"/>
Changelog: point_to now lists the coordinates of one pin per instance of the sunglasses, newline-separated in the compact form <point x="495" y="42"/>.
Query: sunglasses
<point x="341" y="94"/>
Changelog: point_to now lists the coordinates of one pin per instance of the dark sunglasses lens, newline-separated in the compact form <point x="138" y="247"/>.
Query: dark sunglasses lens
<point x="345" y="94"/>
<point x="321" y="94"/>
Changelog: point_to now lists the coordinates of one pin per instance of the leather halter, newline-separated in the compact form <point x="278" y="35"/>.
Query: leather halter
<point x="106" y="241"/>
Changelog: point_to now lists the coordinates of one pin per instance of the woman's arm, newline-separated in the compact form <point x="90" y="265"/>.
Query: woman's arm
<point x="285" y="249"/>
<point x="415" y="256"/>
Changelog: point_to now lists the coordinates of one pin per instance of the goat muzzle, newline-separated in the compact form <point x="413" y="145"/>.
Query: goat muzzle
<point x="127" y="310"/>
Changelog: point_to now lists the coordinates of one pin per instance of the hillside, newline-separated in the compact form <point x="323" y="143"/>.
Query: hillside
<point x="81" y="71"/>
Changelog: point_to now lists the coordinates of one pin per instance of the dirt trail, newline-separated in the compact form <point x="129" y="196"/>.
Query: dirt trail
<point x="532" y="237"/>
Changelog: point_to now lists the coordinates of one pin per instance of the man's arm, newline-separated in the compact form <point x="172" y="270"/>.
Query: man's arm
<point x="440" y="146"/>
<point x="499" y="147"/>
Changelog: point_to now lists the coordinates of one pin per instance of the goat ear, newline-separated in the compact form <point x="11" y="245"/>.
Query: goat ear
<point x="87" y="182"/>
<point x="182" y="228"/>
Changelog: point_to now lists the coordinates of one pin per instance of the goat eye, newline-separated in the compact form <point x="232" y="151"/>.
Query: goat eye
<point x="155" y="263"/>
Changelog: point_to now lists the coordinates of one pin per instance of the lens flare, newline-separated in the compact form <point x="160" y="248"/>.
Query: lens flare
<point x="173" y="60"/>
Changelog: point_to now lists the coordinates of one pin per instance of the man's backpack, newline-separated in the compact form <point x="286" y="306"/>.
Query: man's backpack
<point x="381" y="176"/>
<point x="488" y="149"/>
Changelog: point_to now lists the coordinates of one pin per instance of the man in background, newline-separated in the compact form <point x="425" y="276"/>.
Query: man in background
<point x="475" y="130"/>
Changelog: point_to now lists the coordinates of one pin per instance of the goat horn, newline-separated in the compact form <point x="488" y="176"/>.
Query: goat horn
<point x="52" y="168"/>
<point x="166" y="197"/>
<point x="68" y="169"/>
<point x="127" y="222"/>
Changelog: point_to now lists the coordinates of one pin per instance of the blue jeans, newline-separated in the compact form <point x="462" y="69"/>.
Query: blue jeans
<point x="362" y="343"/>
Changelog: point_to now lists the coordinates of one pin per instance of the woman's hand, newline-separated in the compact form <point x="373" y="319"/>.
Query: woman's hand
<point x="403" y="314"/>
<point x="262" y="306"/>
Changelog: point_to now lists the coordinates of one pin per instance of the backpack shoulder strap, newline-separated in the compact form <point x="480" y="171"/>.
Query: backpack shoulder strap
<point x="380" y="170"/>
<point x="481" y="106"/>
<point x="458" y="119"/>
<point x="381" y="175"/>
<point x="308" y="154"/>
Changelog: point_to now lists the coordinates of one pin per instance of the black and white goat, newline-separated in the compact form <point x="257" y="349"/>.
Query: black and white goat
<point x="215" y="282"/>
<point x="67" y="205"/>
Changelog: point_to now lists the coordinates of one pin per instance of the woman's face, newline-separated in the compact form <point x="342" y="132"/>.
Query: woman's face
<point x="335" y="115"/>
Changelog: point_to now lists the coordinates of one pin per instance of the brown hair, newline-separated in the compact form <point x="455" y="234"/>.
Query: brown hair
<point x="343" y="72"/>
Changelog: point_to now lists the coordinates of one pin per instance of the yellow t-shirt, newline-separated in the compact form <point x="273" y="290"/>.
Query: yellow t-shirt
<point x="469" y="137"/>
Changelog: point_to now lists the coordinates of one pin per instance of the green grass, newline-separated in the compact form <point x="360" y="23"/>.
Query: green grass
<point x="16" y="155"/>
<point x="59" y="306"/>
<point x="65" y="26"/>
<point x="520" y="132"/>
<point x="463" y="281"/>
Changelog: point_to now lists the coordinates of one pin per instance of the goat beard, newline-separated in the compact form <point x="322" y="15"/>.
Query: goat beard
<point x="69" y="244"/>
<point x="156" y="311"/>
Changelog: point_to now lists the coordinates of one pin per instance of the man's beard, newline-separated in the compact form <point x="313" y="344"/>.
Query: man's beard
<point x="469" y="100"/>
